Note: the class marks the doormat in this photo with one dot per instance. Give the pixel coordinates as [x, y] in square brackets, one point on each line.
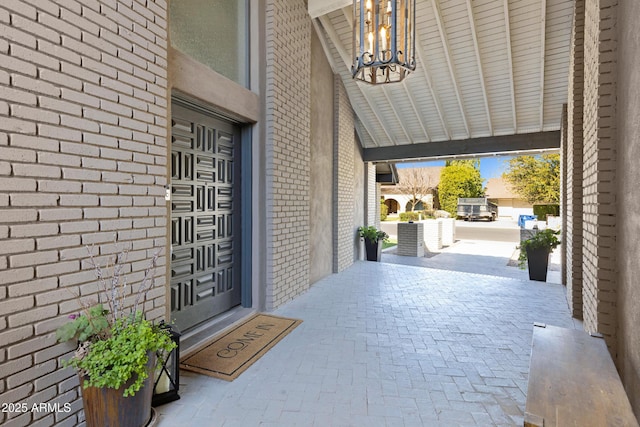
[230, 354]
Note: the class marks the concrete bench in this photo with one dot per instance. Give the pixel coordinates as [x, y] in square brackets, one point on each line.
[573, 381]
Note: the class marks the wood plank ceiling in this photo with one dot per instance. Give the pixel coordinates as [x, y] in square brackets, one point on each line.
[485, 68]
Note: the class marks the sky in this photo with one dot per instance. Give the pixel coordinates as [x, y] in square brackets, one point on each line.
[490, 167]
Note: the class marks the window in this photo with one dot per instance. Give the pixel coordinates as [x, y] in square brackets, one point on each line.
[213, 32]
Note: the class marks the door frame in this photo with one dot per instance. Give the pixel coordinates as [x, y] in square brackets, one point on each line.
[245, 190]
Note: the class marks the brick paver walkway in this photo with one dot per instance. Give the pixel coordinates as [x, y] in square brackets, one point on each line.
[387, 345]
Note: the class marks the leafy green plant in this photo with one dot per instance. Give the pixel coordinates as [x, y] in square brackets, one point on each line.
[415, 215]
[542, 211]
[535, 178]
[384, 211]
[115, 340]
[544, 239]
[372, 234]
[459, 178]
[84, 326]
[409, 216]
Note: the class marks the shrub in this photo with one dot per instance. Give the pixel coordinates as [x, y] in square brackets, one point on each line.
[416, 215]
[409, 216]
[543, 210]
[427, 214]
[384, 211]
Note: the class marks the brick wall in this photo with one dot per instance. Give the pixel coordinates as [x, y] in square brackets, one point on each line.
[411, 239]
[378, 195]
[563, 194]
[432, 235]
[573, 161]
[373, 201]
[83, 107]
[599, 159]
[344, 183]
[288, 43]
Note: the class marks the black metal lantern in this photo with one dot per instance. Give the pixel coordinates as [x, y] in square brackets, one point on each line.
[383, 40]
[167, 380]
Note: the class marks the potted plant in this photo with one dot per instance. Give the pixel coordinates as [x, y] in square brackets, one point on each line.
[535, 251]
[117, 347]
[373, 239]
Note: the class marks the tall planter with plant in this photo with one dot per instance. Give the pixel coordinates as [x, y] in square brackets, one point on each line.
[117, 346]
[373, 239]
[535, 252]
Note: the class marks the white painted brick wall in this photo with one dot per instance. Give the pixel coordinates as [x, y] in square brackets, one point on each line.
[448, 228]
[344, 184]
[83, 160]
[373, 201]
[288, 120]
[573, 230]
[432, 234]
[599, 201]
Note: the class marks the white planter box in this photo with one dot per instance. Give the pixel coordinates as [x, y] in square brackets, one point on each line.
[432, 234]
[448, 231]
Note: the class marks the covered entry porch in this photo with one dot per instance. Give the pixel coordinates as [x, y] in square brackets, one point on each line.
[388, 344]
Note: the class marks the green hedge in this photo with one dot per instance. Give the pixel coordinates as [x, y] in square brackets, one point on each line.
[543, 210]
[384, 211]
[415, 215]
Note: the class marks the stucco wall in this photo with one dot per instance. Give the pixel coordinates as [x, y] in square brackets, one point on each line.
[513, 208]
[628, 110]
[321, 166]
[83, 154]
[404, 201]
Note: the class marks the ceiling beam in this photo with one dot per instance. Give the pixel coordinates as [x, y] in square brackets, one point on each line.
[415, 111]
[335, 69]
[335, 40]
[447, 55]
[507, 27]
[522, 143]
[472, 24]
[427, 78]
[543, 36]
[318, 8]
[403, 125]
[362, 131]
[325, 46]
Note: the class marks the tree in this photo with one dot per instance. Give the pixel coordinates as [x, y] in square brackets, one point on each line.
[472, 162]
[535, 178]
[459, 178]
[416, 182]
[384, 210]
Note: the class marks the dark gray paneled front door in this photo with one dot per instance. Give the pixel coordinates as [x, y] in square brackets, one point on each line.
[205, 233]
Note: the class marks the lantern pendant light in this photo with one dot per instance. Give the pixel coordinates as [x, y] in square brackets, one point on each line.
[383, 40]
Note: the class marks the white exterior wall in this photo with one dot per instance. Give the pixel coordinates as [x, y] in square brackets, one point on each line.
[403, 199]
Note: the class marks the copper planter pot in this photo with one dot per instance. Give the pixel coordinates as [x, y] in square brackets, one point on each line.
[107, 407]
